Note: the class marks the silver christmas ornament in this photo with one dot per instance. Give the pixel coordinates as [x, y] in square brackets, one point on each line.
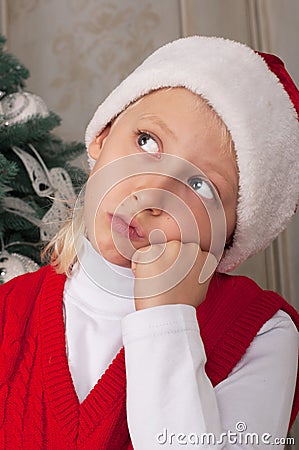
[20, 106]
[13, 264]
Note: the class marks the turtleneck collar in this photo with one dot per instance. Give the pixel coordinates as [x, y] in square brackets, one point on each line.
[100, 285]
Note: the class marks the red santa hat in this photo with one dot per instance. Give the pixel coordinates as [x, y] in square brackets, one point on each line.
[259, 103]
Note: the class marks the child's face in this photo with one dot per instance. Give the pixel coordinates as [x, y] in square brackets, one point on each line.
[175, 122]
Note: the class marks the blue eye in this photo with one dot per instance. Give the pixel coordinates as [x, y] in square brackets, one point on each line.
[202, 187]
[147, 142]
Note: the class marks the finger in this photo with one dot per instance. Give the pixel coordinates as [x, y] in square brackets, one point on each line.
[141, 255]
[148, 254]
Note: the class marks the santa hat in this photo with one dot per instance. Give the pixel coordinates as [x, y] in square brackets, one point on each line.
[258, 102]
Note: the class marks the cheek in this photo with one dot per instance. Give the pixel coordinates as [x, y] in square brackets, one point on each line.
[90, 214]
[231, 218]
[215, 226]
[188, 224]
[204, 227]
[94, 201]
[163, 228]
[104, 192]
[211, 223]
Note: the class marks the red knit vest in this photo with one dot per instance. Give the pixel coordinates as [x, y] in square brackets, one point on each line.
[39, 408]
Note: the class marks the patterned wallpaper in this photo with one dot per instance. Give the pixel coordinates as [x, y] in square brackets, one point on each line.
[78, 51]
[228, 18]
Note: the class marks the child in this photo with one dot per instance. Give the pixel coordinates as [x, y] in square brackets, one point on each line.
[195, 154]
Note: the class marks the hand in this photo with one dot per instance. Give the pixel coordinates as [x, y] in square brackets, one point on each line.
[171, 276]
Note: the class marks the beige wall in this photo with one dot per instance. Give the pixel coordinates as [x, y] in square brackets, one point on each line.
[78, 51]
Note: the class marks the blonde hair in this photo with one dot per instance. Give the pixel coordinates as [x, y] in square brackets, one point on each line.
[61, 251]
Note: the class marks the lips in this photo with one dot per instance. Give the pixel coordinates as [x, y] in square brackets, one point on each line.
[126, 227]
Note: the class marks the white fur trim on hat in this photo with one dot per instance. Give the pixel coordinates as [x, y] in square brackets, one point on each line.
[257, 111]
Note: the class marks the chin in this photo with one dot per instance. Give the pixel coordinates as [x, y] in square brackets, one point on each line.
[110, 253]
[119, 260]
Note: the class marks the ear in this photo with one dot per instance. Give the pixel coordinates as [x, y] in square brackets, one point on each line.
[96, 145]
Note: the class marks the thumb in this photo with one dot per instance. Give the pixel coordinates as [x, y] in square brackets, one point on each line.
[136, 257]
[133, 267]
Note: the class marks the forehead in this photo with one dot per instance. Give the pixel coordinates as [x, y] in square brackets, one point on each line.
[182, 110]
[162, 101]
[182, 120]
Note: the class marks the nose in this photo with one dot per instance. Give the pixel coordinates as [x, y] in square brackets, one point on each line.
[151, 192]
[149, 200]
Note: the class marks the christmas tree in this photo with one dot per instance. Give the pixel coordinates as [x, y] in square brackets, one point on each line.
[38, 184]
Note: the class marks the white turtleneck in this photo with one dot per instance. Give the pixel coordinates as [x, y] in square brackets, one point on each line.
[168, 390]
[93, 316]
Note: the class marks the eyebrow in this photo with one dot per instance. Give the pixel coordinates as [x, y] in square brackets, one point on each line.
[158, 121]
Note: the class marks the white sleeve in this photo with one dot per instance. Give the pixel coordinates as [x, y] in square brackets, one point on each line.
[171, 402]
